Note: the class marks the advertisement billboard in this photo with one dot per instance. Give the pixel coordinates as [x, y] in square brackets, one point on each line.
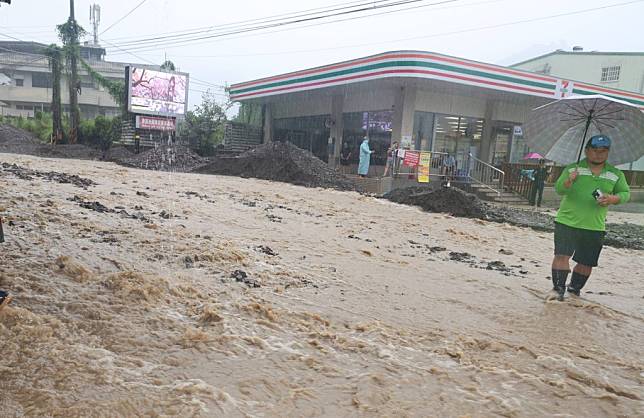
[153, 92]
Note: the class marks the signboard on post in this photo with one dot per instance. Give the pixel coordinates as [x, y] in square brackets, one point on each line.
[423, 169]
[155, 123]
[411, 158]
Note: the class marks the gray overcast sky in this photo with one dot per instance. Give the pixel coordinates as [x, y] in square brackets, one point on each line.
[247, 56]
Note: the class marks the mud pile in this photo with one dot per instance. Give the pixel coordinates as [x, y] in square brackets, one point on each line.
[28, 174]
[459, 203]
[11, 137]
[18, 141]
[117, 153]
[165, 158]
[446, 200]
[280, 161]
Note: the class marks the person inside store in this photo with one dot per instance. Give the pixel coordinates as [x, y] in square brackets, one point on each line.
[392, 153]
[345, 155]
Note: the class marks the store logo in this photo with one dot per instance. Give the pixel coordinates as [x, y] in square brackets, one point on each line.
[564, 88]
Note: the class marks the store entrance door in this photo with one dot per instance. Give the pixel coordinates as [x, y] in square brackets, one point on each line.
[502, 135]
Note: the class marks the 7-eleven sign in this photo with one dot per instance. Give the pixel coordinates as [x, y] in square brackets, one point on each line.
[564, 88]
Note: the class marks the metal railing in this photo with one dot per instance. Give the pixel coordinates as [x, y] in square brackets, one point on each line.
[485, 174]
[462, 170]
[518, 178]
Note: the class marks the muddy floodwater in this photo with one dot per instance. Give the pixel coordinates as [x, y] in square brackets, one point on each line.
[167, 294]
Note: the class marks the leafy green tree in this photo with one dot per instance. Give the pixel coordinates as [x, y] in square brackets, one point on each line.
[204, 126]
[168, 66]
[250, 114]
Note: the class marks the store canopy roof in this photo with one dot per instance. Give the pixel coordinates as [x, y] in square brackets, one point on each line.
[423, 65]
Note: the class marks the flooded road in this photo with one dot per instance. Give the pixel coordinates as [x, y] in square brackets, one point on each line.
[166, 294]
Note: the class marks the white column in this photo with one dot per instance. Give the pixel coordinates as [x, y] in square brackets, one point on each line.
[268, 123]
[337, 105]
[404, 108]
[487, 142]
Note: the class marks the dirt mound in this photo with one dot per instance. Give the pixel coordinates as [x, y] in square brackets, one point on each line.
[280, 161]
[14, 140]
[446, 200]
[18, 141]
[459, 203]
[165, 158]
[117, 153]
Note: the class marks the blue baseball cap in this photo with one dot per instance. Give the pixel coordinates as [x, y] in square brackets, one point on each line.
[598, 141]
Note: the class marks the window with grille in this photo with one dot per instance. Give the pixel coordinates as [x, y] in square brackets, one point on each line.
[610, 73]
[42, 80]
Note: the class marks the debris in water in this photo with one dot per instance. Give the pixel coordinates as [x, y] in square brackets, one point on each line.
[266, 250]
[242, 277]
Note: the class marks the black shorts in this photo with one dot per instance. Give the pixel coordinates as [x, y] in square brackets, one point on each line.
[583, 245]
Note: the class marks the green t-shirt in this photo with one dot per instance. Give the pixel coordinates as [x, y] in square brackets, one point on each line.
[579, 209]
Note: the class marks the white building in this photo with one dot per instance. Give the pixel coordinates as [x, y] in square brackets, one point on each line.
[612, 70]
[26, 81]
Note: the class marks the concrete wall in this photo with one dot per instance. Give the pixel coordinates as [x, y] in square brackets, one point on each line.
[315, 104]
[427, 101]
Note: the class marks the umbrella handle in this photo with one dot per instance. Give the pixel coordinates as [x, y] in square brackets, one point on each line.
[583, 140]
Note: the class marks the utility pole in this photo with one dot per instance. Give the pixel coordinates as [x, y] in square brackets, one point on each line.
[74, 82]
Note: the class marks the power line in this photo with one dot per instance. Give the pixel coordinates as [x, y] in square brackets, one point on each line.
[252, 22]
[146, 44]
[322, 49]
[193, 79]
[435, 35]
[126, 15]
[283, 15]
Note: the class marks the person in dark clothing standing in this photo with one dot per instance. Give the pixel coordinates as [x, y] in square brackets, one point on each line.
[588, 188]
[538, 183]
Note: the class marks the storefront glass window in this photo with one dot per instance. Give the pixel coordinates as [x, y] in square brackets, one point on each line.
[308, 133]
[376, 125]
[423, 131]
[458, 136]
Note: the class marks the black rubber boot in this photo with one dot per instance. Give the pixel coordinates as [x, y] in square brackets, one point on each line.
[559, 278]
[577, 282]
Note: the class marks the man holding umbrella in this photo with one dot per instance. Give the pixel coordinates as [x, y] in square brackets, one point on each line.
[609, 132]
[588, 188]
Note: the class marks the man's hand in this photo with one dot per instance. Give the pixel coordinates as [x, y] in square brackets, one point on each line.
[609, 199]
[571, 179]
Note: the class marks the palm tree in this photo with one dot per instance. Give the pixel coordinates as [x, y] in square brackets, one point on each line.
[55, 57]
[69, 32]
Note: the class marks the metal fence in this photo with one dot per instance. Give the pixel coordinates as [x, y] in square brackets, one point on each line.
[464, 170]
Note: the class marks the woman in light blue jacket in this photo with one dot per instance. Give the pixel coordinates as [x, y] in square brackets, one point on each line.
[365, 158]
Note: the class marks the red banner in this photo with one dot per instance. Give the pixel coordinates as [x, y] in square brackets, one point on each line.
[155, 124]
[411, 158]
